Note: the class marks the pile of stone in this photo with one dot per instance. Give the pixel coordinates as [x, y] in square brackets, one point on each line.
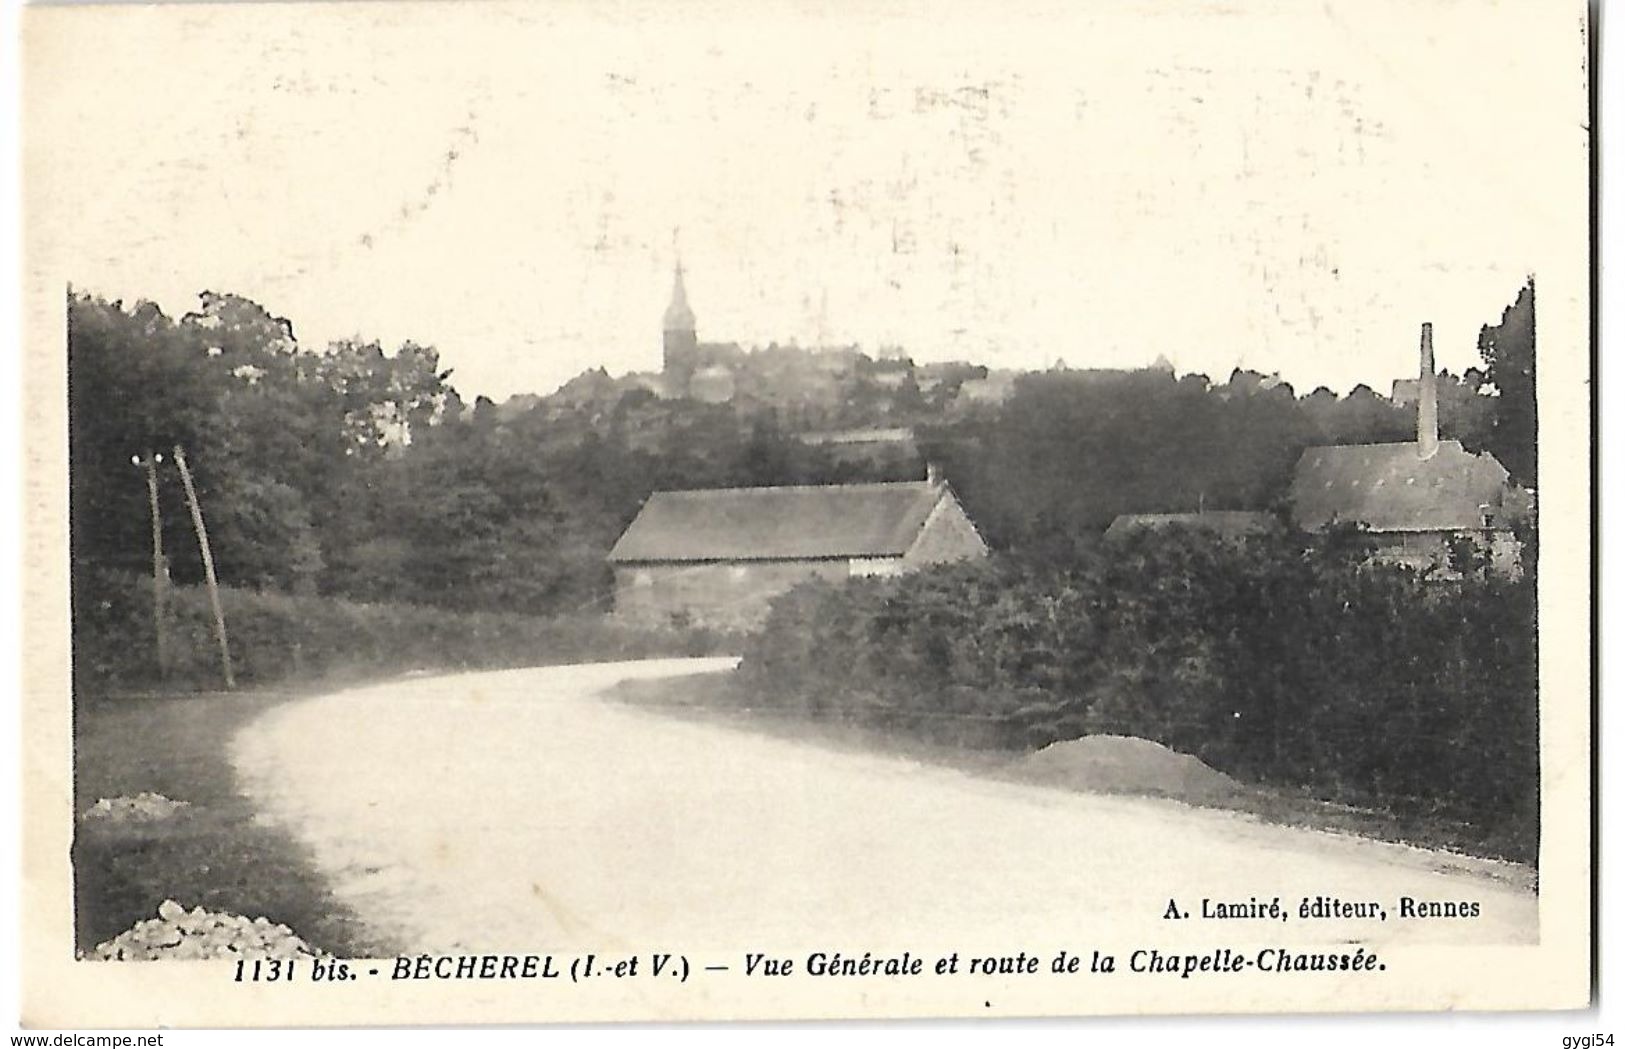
[145, 807]
[1128, 765]
[181, 934]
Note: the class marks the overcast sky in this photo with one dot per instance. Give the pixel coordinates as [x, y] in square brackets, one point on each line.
[1287, 187]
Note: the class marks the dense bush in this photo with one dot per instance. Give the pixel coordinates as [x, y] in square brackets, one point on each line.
[277, 637]
[1286, 659]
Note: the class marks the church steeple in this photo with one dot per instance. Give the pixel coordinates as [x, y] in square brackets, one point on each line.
[679, 317]
[680, 347]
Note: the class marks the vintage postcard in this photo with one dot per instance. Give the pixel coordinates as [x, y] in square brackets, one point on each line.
[646, 511]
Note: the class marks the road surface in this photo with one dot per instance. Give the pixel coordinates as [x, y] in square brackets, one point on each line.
[518, 811]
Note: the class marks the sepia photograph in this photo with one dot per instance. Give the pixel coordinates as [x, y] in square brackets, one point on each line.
[635, 512]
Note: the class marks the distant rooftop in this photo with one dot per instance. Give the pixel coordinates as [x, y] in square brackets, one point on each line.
[873, 435]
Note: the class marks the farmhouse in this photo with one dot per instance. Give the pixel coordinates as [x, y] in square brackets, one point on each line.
[718, 557]
[1417, 497]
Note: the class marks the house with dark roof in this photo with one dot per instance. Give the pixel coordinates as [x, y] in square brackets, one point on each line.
[1418, 498]
[718, 557]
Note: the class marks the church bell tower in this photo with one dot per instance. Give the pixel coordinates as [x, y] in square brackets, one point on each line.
[679, 343]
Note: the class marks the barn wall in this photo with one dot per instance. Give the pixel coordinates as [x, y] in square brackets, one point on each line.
[948, 535]
[726, 596]
[1416, 550]
[1424, 550]
[1506, 553]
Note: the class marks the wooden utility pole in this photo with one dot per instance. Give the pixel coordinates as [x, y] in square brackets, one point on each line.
[160, 568]
[208, 566]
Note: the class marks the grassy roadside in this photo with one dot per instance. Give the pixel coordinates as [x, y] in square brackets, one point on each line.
[718, 699]
[213, 853]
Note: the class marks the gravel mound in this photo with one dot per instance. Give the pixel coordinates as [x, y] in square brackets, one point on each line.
[181, 934]
[1127, 765]
[145, 807]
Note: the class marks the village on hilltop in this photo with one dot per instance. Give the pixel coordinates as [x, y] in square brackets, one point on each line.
[719, 556]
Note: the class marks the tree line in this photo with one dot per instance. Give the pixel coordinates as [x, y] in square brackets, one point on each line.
[1072, 449]
[353, 471]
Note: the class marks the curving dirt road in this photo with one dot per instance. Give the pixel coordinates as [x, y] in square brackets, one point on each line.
[516, 811]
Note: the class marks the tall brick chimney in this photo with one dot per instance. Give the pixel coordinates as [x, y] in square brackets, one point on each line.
[1427, 401]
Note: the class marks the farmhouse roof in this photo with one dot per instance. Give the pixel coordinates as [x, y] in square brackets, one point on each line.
[1228, 524]
[1391, 488]
[756, 524]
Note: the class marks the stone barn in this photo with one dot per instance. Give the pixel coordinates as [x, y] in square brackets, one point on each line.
[717, 557]
[1417, 498]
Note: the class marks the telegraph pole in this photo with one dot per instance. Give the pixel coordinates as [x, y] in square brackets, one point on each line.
[208, 566]
[160, 568]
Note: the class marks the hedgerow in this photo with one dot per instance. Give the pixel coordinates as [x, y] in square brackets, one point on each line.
[1284, 659]
[277, 637]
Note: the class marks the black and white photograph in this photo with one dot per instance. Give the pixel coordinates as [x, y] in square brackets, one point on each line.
[633, 512]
